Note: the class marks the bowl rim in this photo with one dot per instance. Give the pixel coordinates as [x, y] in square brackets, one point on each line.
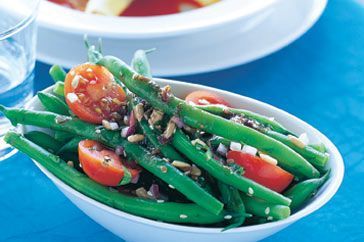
[328, 190]
[52, 16]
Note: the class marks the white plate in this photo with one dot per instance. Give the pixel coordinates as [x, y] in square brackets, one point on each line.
[289, 20]
[138, 229]
[265, 28]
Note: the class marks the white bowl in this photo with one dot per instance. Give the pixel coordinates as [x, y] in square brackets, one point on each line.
[204, 18]
[216, 37]
[186, 37]
[137, 229]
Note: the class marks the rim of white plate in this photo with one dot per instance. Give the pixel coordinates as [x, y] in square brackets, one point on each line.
[307, 24]
[67, 20]
[323, 196]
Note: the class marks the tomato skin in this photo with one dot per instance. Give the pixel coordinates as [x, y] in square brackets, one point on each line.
[205, 98]
[262, 172]
[157, 7]
[97, 93]
[92, 158]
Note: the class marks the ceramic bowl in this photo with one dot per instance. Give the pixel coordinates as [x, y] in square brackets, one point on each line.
[182, 39]
[137, 229]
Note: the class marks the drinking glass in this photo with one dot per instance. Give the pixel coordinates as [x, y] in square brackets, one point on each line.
[17, 58]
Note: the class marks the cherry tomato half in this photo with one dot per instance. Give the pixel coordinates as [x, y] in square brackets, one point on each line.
[205, 98]
[102, 165]
[92, 93]
[262, 172]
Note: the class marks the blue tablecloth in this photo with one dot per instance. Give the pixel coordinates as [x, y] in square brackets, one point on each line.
[319, 78]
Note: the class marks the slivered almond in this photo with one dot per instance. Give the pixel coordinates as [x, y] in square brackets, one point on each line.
[141, 192]
[181, 165]
[135, 138]
[171, 127]
[268, 159]
[139, 111]
[195, 171]
[296, 141]
[155, 117]
[110, 125]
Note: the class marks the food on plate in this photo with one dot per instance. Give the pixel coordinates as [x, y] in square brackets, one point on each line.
[133, 7]
[124, 141]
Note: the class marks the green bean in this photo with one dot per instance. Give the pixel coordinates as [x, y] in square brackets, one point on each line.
[71, 146]
[72, 156]
[160, 168]
[44, 140]
[215, 141]
[254, 220]
[167, 211]
[58, 89]
[53, 103]
[224, 173]
[141, 64]
[267, 122]
[62, 136]
[143, 88]
[197, 118]
[234, 204]
[303, 191]
[57, 73]
[93, 53]
[167, 150]
[263, 209]
[287, 158]
[316, 158]
[320, 147]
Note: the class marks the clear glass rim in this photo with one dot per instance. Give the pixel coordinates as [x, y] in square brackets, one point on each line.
[23, 23]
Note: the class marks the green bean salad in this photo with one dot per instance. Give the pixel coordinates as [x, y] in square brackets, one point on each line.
[121, 139]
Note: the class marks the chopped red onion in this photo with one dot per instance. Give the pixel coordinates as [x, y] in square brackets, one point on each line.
[132, 120]
[131, 131]
[221, 149]
[163, 140]
[154, 190]
[125, 131]
[235, 146]
[132, 123]
[119, 150]
[177, 121]
[215, 157]
[126, 120]
[135, 179]
[132, 164]
[249, 150]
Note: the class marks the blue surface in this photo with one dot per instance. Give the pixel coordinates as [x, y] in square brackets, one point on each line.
[319, 78]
